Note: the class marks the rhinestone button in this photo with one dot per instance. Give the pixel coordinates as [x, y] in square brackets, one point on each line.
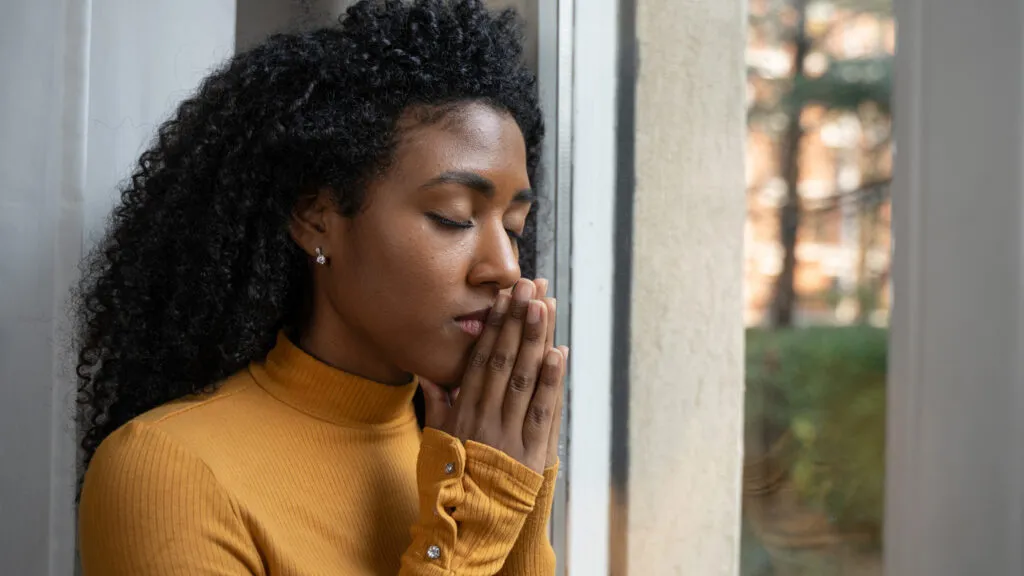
[449, 468]
[434, 552]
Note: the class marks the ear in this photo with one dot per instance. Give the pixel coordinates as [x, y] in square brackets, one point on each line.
[311, 219]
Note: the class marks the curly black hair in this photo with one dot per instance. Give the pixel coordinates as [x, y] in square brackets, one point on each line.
[197, 271]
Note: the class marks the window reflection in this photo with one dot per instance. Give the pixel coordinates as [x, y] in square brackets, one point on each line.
[817, 285]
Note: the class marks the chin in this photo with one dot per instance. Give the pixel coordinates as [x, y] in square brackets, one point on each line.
[447, 374]
[449, 380]
[444, 360]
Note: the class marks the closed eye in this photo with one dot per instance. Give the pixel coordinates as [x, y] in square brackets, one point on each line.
[448, 222]
[516, 237]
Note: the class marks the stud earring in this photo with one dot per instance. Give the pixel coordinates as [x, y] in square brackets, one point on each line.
[320, 258]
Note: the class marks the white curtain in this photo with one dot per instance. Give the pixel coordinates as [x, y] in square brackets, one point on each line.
[85, 83]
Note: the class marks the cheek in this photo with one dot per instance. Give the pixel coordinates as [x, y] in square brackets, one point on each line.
[402, 289]
[413, 272]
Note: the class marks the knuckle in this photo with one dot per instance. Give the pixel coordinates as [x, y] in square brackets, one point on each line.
[535, 334]
[539, 414]
[520, 382]
[478, 359]
[499, 361]
[518, 311]
[549, 379]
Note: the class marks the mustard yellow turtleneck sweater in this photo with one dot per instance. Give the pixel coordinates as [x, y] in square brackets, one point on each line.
[294, 468]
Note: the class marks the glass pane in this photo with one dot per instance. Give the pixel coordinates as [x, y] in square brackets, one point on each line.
[817, 291]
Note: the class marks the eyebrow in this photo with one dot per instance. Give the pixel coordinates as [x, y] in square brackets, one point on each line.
[478, 183]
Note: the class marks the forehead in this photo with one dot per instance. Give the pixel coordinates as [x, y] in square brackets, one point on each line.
[471, 137]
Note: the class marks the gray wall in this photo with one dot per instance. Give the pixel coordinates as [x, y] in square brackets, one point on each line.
[955, 468]
[39, 193]
[257, 19]
[85, 85]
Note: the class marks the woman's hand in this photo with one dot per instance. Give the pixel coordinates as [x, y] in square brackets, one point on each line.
[511, 392]
[556, 427]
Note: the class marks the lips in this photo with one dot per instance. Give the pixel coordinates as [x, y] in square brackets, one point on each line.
[473, 323]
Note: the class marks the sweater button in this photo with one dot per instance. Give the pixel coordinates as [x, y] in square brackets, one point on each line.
[449, 468]
[434, 552]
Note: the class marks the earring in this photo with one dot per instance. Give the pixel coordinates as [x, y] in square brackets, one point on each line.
[320, 258]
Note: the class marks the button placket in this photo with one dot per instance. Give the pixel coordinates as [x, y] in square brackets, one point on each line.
[445, 464]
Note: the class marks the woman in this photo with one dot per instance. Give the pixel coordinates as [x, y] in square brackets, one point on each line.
[331, 214]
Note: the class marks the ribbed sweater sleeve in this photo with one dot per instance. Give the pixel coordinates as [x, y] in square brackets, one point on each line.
[474, 501]
[532, 554]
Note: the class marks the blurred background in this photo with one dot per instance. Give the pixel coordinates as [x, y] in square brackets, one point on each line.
[763, 382]
[817, 284]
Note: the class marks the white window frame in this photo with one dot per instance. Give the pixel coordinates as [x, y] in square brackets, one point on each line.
[591, 110]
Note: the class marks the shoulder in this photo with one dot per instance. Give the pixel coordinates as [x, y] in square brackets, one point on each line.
[229, 396]
[140, 460]
[209, 425]
[151, 504]
[166, 443]
[142, 482]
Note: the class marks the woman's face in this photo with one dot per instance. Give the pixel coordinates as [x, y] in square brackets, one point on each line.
[411, 277]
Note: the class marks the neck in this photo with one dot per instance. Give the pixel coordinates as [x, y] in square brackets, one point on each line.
[328, 339]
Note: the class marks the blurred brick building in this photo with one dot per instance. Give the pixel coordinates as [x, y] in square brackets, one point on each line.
[845, 162]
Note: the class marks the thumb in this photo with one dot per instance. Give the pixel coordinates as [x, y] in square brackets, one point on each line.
[438, 403]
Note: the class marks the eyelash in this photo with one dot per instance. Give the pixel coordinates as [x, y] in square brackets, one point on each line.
[449, 222]
[517, 238]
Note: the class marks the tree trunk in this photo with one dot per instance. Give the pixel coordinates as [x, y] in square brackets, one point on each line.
[784, 296]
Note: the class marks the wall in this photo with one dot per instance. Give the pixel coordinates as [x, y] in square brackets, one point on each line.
[257, 19]
[145, 58]
[41, 118]
[955, 467]
[85, 86]
[686, 348]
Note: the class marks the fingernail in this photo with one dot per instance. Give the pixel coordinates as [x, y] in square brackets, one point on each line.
[552, 357]
[533, 314]
[523, 291]
[500, 306]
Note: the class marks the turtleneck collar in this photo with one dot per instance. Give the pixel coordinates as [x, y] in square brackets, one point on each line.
[311, 386]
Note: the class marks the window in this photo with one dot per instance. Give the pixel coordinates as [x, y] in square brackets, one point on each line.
[816, 362]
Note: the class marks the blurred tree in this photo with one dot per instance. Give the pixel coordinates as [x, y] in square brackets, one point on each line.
[844, 84]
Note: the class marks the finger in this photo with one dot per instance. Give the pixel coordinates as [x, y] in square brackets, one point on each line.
[476, 367]
[506, 349]
[551, 309]
[542, 294]
[554, 436]
[438, 404]
[542, 288]
[540, 415]
[523, 380]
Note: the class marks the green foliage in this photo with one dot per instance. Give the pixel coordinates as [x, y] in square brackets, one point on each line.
[883, 7]
[866, 294]
[846, 85]
[826, 387]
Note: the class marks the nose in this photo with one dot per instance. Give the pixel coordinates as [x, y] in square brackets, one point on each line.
[496, 261]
